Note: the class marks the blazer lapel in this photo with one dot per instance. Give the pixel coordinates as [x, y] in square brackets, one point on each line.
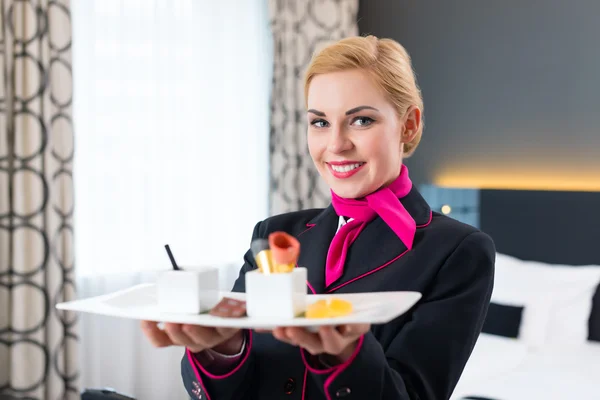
[378, 246]
[314, 245]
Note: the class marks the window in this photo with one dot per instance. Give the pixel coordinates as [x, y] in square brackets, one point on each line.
[171, 120]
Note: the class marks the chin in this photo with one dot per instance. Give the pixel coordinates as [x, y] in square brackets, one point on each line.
[348, 192]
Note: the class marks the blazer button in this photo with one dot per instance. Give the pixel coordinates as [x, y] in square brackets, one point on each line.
[343, 392]
[289, 386]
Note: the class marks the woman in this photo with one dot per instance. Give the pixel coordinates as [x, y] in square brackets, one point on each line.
[364, 113]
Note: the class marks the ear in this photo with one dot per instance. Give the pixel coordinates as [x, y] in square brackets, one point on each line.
[411, 124]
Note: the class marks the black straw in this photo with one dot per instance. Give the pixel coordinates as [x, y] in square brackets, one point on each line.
[173, 263]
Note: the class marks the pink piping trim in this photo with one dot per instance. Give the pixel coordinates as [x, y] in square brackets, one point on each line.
[304, 383]
[196, 365]
[192, 362]
[383, 266]
[315, 370]
[340, 368]
[428, 222]
[311, 288]
[367, 273]
[309, 227]
[233, 371]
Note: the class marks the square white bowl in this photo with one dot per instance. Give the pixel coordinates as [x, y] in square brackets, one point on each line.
[192, 291]
[278, 295]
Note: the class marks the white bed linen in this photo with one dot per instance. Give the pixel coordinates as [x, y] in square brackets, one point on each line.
[501, 371]
[493, 355]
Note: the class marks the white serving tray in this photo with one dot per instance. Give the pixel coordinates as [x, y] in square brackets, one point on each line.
[139, 302]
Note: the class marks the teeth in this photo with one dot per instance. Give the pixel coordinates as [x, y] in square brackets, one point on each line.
[345, 168]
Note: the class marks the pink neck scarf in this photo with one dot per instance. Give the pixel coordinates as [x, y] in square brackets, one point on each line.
[384, 203]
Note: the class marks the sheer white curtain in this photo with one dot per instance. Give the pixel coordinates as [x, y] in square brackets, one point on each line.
[171, 118]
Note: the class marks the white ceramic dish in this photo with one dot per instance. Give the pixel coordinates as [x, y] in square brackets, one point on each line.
[140, 302]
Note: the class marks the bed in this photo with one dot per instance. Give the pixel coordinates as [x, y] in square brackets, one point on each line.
[541, 338]
[545, 374]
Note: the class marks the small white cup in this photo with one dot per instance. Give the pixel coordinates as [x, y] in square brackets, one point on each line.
[277, 295]
[189, 291]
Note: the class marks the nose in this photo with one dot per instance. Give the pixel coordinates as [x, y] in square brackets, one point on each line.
[338, 141]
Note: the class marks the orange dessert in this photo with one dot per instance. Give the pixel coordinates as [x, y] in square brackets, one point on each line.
[285, 250]
[330, 308]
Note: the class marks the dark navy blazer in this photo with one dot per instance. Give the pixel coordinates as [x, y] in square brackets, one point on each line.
[419, 355]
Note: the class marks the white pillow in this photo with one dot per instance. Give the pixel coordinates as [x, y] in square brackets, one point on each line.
[557, 299]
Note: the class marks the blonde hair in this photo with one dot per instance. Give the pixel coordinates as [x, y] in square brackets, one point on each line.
[385, 60]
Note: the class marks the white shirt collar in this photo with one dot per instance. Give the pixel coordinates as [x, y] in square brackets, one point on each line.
[343, 222]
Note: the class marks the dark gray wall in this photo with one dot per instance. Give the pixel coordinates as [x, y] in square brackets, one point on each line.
[511, 88]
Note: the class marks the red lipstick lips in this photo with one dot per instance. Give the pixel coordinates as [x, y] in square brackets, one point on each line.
[344, 169]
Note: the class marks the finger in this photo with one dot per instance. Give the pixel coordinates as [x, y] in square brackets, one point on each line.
[177, 335]
[310, 341]
[157, 337]
[281, 335]
[353, 330]
[226, 333]
[333, 342]
[200, 336]
[345, 330]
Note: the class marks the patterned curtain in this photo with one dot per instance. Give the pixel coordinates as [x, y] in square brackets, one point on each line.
[299, 28]
[38, 358]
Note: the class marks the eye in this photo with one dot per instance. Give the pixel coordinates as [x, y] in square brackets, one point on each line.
[362, 121]
[319, 123]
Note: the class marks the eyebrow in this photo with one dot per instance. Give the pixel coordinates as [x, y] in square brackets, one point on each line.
[316, 112]
[349, 112]
[360, 108]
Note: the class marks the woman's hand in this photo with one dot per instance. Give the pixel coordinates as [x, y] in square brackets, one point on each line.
[196, 338]
[339, 342]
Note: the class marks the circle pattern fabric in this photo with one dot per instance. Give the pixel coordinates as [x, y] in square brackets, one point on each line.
[38, 343]
[299, 29]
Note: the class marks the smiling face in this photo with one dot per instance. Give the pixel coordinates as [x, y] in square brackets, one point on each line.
[355, 135]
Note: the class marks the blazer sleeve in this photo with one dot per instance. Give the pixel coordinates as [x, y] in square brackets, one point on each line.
[237, 383]
[425, 359]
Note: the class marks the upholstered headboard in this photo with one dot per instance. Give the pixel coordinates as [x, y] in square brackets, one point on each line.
[554, 227]
[548, 226]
